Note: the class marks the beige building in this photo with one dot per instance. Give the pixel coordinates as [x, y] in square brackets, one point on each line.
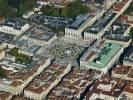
[41, 86]
[16, 81]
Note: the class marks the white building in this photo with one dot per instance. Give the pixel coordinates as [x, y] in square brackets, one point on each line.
[76, 28]
[28, 14]
[43, 2]
[13, 26]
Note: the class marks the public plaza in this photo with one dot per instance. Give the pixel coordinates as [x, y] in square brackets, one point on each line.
[63, 50]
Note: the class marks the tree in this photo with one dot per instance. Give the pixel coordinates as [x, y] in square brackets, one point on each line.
[14, 52]
[22, 5]
[131, 32]
[5, 9]
[19, 57]
[72, 10]
[2, 74]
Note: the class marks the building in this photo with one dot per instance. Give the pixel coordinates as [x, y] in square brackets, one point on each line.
[118, 33]
[108, 3]
[107, 88]
[80, 23]
[14, 26]
[17, 76]
[96, 30]
[28, 14]
[2, 54]
[127, 93]
[43, 2]
[30, 51]
[74, 84]
[6, 38]
[123, 72]
[5, 96]
[102, 56]
[56, 3]
[121, 5]
[41, 86]
[40, 35]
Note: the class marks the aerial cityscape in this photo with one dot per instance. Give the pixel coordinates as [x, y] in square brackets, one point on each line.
[66, 49]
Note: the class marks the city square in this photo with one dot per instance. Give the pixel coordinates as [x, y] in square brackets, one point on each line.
[62, 51]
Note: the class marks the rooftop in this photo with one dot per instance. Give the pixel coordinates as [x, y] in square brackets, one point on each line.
[129, 87]
[13, 73]
[41, 33]
[107, 52]
[6, 38]
[74, 84]
[107, 86]
[43, 81]
[79, 21]
[19, 98]
[5, 95]
[15, 23]
[121, 70]
[119, 5]
[101, 23]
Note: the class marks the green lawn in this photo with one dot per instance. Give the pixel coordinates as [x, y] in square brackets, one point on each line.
[129, 11]
[19, 57]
